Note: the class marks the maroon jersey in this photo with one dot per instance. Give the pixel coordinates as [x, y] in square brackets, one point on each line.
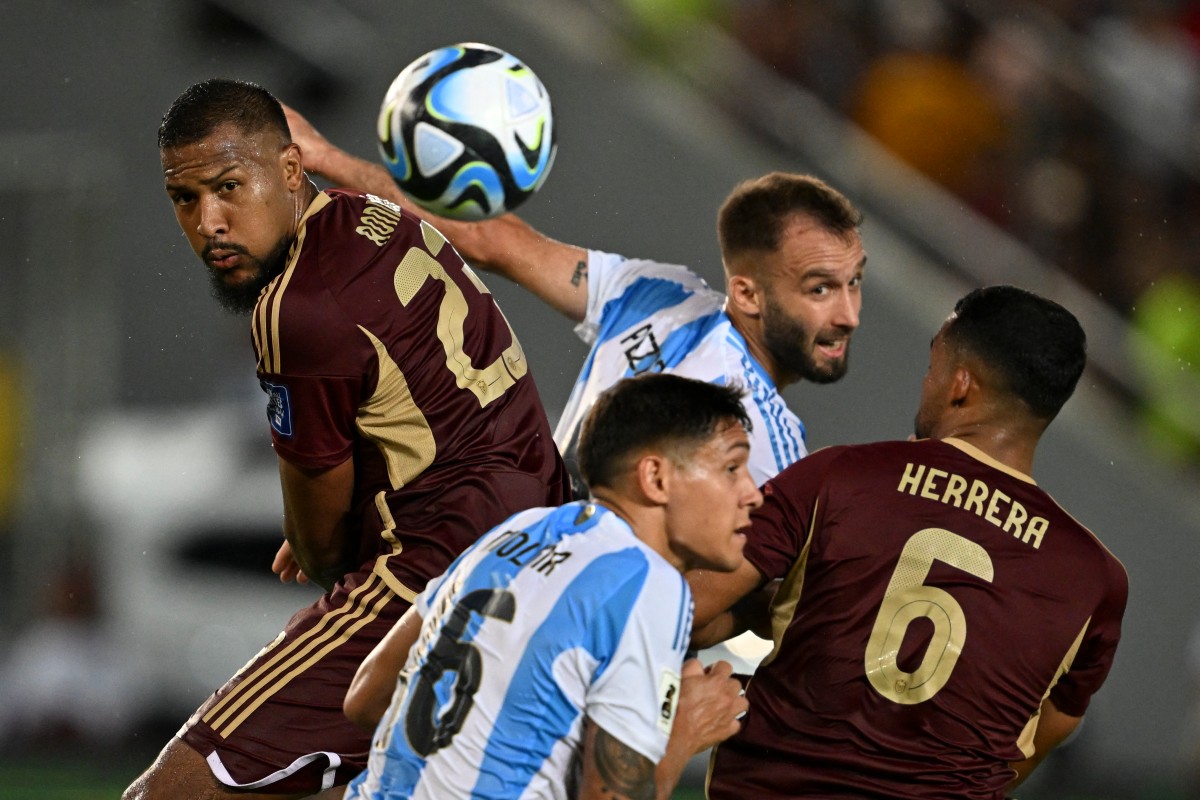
[379, 344]
[931, 599]
[376, 344]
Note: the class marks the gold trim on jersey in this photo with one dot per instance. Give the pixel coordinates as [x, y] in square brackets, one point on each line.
[391, 419]
[339, 625]
[1025, 740]
[787, 596]
[977, 454]
[265, 327]
[389, 535]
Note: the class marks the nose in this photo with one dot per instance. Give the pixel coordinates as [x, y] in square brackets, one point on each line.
[754, 497]
[846, 313]
[212, 220]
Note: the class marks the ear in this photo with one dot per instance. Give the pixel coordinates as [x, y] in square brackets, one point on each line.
[962, 386]
[654, 477]
[746, 294]
[293, 166]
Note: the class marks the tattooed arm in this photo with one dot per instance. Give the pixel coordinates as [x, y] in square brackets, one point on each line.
[506, 245]
[614, 771]
[710, 702]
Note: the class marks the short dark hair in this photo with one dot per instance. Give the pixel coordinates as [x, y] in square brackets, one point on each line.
[652, 410]
[1034, 345]
[753, 216]
[207, 105]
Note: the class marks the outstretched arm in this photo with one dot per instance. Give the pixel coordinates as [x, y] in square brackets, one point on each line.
[506, 245]
[710, 702]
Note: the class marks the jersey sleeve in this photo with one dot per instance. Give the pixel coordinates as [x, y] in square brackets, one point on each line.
[314, 363]
[630, 287]
[780, 527]
[312, 418]
[1087, 672]
[636, 696]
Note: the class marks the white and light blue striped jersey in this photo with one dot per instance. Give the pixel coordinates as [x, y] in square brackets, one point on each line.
[644, 316]
[555, 615]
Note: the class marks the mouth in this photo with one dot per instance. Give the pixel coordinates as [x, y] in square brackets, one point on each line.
[223, 259]
[832, 349]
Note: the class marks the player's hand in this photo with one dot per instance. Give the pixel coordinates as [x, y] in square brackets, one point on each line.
[313, 146]
[710, 704]
[285, 565]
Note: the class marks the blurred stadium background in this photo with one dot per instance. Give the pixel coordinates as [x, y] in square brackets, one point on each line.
[1052, 144]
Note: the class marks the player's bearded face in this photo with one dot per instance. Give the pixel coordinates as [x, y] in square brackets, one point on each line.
[238, 292]
[795, 345]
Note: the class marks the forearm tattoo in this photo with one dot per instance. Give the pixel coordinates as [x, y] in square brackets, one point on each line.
[625, 772]
[580, 273]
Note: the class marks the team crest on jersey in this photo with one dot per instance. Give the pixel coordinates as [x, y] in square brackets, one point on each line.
[668, 700]
[279, 408]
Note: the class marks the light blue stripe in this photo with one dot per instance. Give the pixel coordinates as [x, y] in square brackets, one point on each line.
[641, 299]
[683, 622]
[404, 766]
[683, 341]
[591, 614]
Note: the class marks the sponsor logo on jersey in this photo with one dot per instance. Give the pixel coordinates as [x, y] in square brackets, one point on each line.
[279, 408]
[642, 351]
[668, 700]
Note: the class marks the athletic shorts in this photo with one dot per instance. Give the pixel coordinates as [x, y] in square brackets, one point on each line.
[277, 726]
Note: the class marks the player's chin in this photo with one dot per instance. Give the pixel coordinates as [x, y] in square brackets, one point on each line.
[830, 370]
[737, 545]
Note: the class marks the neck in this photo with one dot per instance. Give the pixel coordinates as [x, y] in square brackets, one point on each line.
[646, 521]
[751, 330]
[1012, 448]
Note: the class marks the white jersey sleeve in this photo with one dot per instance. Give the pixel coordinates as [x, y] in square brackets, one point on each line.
[635, 695]
[643, 316]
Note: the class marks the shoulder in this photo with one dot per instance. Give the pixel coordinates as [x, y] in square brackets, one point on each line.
[613, 272]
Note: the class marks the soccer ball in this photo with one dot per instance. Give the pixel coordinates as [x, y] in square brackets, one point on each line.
[467, 131]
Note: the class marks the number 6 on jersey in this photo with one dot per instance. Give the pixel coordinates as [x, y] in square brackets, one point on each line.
[908, 598]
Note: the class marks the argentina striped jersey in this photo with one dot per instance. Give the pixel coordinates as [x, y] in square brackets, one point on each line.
[643, 316]
[555, 615]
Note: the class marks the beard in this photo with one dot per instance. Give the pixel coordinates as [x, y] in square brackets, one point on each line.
[792, 345]
[921, 429]
[240, 298]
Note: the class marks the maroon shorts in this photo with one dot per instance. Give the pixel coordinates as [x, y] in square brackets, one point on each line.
[277, 725]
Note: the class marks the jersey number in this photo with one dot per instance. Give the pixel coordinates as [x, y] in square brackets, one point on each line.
[907, 599]
[486, 383]
[429, 724]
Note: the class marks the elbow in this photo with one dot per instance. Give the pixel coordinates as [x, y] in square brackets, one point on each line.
[359, 711]
[712, 633]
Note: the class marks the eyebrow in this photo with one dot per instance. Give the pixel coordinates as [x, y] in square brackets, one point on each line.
[825, 273]
[205, 181]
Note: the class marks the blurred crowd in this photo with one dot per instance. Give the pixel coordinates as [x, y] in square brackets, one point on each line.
[1073, 125]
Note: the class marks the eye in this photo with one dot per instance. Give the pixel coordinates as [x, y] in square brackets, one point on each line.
[229, 186]
[856, 280]
[182, 198]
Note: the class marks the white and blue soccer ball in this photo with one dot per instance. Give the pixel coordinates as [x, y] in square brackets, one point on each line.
[467, 131]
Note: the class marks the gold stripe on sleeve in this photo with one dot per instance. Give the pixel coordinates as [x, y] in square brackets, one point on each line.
[783, 607]
[266, 312]
[1025, 740]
